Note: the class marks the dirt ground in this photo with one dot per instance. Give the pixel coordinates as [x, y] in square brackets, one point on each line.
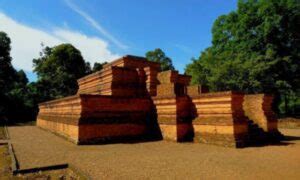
[160, 160]
[6, 170]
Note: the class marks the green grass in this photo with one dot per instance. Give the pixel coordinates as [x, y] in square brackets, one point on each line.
[2, 133]
[5, 162]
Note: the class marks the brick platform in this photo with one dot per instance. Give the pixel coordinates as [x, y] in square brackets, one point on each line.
[174, 118]
[220, 119]
[131, 98]
[92, 118]
[172, 106]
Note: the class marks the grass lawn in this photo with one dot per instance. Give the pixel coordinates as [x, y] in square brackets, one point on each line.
[2, 133]
[5, 162]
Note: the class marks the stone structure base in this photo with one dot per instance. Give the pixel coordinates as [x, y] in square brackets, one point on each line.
[87, 118]
[130, 99]
[220, 119]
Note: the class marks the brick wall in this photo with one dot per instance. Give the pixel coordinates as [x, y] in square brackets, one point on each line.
[220, 119]
[85, 118]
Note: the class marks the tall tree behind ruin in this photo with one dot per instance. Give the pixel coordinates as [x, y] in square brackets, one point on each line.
[7, 72]
[98, 66]
[58, 69]
[254, 49]
[157, 55]
[14, 95]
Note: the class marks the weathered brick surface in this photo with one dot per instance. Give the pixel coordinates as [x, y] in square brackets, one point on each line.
[127, 77]
[130, 97]
[95, 116]
[130, 61]
[67, 130]
[89, 133]
[258, 108]
[170, 83]
[196, 90]
[167, 77]
[220, 115]
[151, 80]
[174, 117]
[114, 81]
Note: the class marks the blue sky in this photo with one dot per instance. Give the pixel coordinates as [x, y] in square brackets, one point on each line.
[104, 30]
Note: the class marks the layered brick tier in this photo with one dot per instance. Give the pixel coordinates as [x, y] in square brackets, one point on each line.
[133, 62]
[129, 76]
[61, 116]
[114, 81]
[172, 106]
[131, 98]
[91, 118]
[151, 80]
[174, 118]
[258, 108]
[196, 90]
[145, 67]
[170, 83]
[220, 119]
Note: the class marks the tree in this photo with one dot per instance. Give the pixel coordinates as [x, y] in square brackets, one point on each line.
[98, 66]
[159, 56]
[13, 87]
[19, 103]
[254, 49]
[7, 72]
[58, 69]
[88, 69]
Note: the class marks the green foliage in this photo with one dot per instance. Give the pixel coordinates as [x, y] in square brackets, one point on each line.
[290, 103]
[98, 66]
[88, 68]
[7, 72]
[58, 69]
[14, 99]
[255, 49]
[159, 56]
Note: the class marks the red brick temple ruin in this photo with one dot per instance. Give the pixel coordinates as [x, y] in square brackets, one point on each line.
[130, 98]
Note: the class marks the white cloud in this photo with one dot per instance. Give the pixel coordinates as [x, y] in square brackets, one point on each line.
[95, 24]
[26, 43]
[92, 49]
